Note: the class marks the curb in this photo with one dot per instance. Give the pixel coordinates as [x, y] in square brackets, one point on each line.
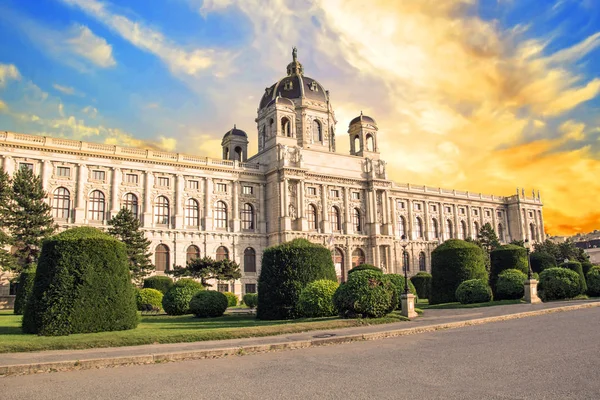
[24, 369]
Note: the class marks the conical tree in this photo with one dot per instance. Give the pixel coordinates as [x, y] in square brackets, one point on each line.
[487, 238]
[126, 227]
[7, 261]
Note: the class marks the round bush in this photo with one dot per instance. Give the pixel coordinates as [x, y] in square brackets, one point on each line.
[452, 263]
[473, 291]
[208, 303]
[286, 270]
[422, 283]
[510, 285]
[508, 256]
[82, 285]
[366, 294]
[177, 300]
[586, 266]
[316, 299]
[148, 296]
[160, 283]
[251, 300]
[558, 283]
[398, 282]
[24, 289]
[232, 299]
[576, 266]
[593, 282]
[541, 260]
[363, 267]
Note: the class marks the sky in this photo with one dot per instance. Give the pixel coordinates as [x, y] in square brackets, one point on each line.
[477, 95]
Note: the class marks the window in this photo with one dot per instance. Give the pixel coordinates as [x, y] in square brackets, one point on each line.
[448, 209]
[422, 266]
[317, 131]
[247, 190]
[417, 206]
[96, 206]
[161, 210]
[435, 228]
[462, 211]
[98, 175]
[63, 171]
[370, 142]
[221, 187]
[463, 230]
[131, 178]
[358, 257]
[311, 215]
[61, 203]
[419, 227]
[194, 185]
[533, 232]
[312, 190]
[222, 253]
[530, 214]
[162, 181]
[499, 214]
[192, 213]
[355, 195]
[161, 257]
[130, 202]
[286, 129]
[475, 228]
[400, 204]
[449, 229]
[335, 220]
[487, 213]
[250, 287]
[501, 232]
[247, 216]
[192, 253]
[338, 263]
[433, 208]
[334, 193]
[401, 226]
[221, 215]
[356, 220]
[475, 212]
[249, 260]
[222, 287]
[28, 166]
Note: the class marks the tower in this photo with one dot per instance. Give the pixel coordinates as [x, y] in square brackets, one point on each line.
[235, 145]
[363, 137]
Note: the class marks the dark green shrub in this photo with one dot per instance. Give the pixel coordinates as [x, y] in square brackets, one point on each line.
[24, 289]
[208, 303]
[158, 282]
[422, 283]
[398, 282]
[177, 300]
[558, 283]
[473, 291]
[286, 270]
[148, 296]
[508, 256]
[363, 267]
[232, 299]
[541, 260]
[366, 294]
[586, 266]
[251, 299]
[316, 299]
[82, 285]
[510, 285]
[452, 263]
[576, 266]
[593, 282]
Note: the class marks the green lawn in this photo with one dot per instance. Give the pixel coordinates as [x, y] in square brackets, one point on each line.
[424, 304]
[171, 329]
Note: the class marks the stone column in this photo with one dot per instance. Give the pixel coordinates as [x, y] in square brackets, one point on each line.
[456, 228]
[286, 223]
[427, 223]
[303, 224]
[236, 206]
[348, 228]
[386, 213]
[115, 204]
[148, 220]
[470, 223]
[262, 209]
[46, 173]
[82, 173]
[208, 206]
[410, 226]
[325, 226]
[179, 206]
[9, 165]
[494, 220]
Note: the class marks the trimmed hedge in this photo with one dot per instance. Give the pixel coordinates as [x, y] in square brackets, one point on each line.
[508, 256]
[398, 282]
[148, 296]
[232, 299]
[586, 266]
[473, 291]
[422, 283]
[160, 283]
[593, 282]
[367, 294]
[177, 300]
[363, 267]
[576, 266]
[452, 263]
[286, 270]
[510, 285]
[558, 283]
[208, 304]
[24, 289]
[541, 260]
[251, 299]
[316, 299]
[82, 285]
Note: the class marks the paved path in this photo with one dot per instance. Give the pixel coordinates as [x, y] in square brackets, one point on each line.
[552, 356]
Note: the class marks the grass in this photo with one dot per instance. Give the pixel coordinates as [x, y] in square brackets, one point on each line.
[424, 304]
[171, 329]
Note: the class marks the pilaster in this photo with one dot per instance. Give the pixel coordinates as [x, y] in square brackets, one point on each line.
[147, 219]
[179, 206]
[114, 194]
[80, 200]
[208, 207]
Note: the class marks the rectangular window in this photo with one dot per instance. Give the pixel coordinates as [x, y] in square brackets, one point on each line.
[417, 206]
[131, 178]
[462, 211]
[355, 195]
[530, 214]
[487, 213]
[63, 171]
[311, 190]
[400, 204]
[28, 166]
[448, 209]
[98, 175]
[221, 187]
[434, 208]
[162, 181]
[194, 185]
[334, 193]
[250, 287]
[475, 212]
[223, 287]
[247, 189]
[499, 214]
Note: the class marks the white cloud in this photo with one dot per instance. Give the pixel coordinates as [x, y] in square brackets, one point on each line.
[64, 89]
[7, 72]
[85, 43]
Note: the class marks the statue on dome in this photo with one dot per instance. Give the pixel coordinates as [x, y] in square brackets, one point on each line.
[294, 53]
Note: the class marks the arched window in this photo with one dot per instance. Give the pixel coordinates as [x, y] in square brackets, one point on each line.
[356, 144]
[192, 253]
[405, 261]
[475, 228]
[286, 129]
[422, 266]
[238, 153]
[222, 253]
[334, 219]
[161, 258]
[161, 211]
[370, 143]
[358, 257]
[61, 203]
[500, 232]
[271, 127]
[401, 226]
[311, 215]
[130, 202]
[356, 220]
[449, 229]
[249, 260]
[192, 213]
[419, 227]
[221, 215]
[96, 207]
[435, 228]
[317, 131]
[338, 262]
[247, 216]
[463, 230]
[533, 232]
[225, 153]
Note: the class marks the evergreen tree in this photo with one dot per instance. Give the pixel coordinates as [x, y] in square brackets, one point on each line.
[7, 261]
[562, 251]
[206, 268]
[487, 238]
[126, 227]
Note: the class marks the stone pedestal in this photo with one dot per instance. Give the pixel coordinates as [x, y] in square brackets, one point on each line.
[531, 296]
[407, 302]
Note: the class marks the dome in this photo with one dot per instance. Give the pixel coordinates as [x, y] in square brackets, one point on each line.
[235, 132]
[363, 118]
[281, 100]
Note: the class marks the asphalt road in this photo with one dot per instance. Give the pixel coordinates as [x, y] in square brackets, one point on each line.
[555, 356]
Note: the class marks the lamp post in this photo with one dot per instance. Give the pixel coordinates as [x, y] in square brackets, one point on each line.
[530, 287]
[407, 299]
[404, 243]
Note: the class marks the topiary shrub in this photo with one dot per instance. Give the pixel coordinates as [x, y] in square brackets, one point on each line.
[149, 296]
[576, 266]
[367, 293]
[232, 299]
[177, 300]
[510, 285]
[586, 266]
[160, 283]
[558, 283]
[251, 300]
[316, 299]
[541, 260]
[24, 289]
[593, 282]
[363, 267]
[422, 283]
[82, 285]
[286, 270]
[452, 263]
[508, 256]
[473, 291]
[208, 303]
[398, 282]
